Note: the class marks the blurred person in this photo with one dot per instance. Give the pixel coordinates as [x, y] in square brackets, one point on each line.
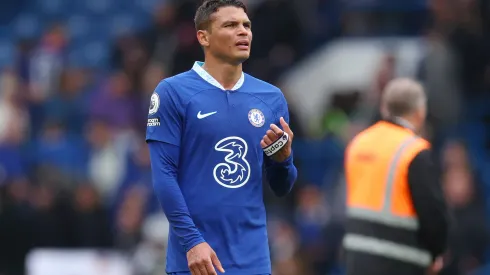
[148, 259]
[89, 220]
[116, 103]
[188, 49]
[228, 119]
[24, 48]
[56, 151]
[397, 217]
[14, 127]
[138, 175]
[284, 240]
[50, 231]
[13, 164]
[455, 156]
[385, 73]
[129, 219]
[47, 63]
[335, 192]
[153, 75]
[439, 71]
[106, 160]
[161, 38]
[312, 215]
[278, 38]
[469, 235]
[337, 118]
[14, 119]
[69, 104]
[291, 266]
[285, 249]
[17, 231]
[131, 57]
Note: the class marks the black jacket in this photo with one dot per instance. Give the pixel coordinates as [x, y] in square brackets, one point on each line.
[429, 203]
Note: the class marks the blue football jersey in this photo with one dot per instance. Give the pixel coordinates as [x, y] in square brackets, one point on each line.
[220, 170]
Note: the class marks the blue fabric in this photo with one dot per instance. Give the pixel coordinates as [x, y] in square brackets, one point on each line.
[164, 158]
[216, 135]
[12, 165]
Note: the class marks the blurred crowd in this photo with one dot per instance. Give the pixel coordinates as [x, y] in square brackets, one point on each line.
[75, 170]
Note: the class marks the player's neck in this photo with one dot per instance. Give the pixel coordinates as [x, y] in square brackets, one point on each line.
[226, 74]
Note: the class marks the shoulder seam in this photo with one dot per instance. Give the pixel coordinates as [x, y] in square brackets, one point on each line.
[190, 97]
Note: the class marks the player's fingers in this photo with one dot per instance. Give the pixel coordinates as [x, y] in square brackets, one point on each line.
[267, 140]
[195, 270]
[285, 126]
[203, 269]
[199, 267]
[271, 135]
[262, 143]
[210, 269]
[217, 263]
[276, 130]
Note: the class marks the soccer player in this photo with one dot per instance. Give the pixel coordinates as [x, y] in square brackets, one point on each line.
[211, 130]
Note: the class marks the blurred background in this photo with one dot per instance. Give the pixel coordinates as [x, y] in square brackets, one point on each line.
[75, 80]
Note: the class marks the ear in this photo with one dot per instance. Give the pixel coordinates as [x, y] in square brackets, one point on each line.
[203, 37]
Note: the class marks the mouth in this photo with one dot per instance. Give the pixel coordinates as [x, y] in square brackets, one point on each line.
[243, 45]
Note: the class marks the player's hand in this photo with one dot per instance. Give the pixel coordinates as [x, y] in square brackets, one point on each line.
[273, 134]
[436, 267]
[202, 259]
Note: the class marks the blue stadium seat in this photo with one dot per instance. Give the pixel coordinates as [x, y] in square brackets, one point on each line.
[5, 32]
[79, 26]
[99, 6]
[51, 6]
[27, 25]
[96, 53]
[147, 6]
[89, 54]
[7, 53]
[124, 23]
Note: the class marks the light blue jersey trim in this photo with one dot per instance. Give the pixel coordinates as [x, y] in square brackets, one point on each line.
[208, 78]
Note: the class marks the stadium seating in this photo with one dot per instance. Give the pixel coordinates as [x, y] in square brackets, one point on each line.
[91, 24]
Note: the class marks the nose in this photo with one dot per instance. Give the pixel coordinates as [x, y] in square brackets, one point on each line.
[242, 30]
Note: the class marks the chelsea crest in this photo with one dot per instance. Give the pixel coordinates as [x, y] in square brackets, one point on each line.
[154, 103]
[256, 117]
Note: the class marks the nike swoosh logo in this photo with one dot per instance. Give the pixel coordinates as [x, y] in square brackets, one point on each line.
[201, 116]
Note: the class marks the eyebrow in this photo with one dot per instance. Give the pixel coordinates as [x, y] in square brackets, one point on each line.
[237, 21]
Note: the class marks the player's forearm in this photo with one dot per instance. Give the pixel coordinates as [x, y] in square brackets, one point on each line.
[164, 172]
[281, 176]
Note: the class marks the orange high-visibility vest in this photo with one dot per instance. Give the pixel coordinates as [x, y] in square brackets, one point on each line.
[376, 167]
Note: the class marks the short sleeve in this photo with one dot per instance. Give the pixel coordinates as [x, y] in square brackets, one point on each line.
[165, 115]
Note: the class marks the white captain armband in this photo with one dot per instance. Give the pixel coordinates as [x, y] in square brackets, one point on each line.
[277, 145]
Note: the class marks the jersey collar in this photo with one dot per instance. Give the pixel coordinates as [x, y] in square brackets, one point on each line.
[209, 79]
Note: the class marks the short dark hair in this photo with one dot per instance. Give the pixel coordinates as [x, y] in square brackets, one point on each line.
[208, 7]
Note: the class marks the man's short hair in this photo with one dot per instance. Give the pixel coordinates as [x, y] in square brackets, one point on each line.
[209, 7]
[403, 96]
